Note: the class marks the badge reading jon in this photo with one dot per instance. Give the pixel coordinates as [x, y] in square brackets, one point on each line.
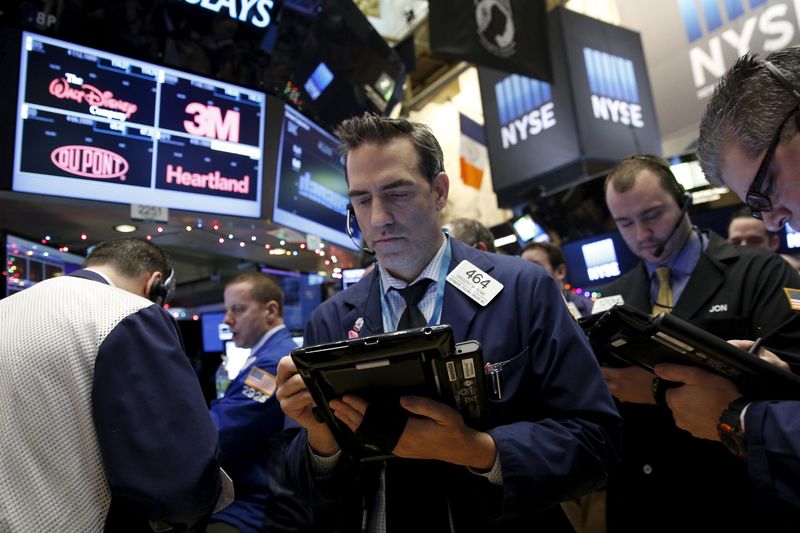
[474, 282]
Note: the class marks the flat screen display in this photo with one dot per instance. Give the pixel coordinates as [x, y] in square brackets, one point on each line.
[528, 230]
[100, 126]
[310, 187]
[214, 331]
[351, 276]
[595, 261]
[302, 293]
[28, 262]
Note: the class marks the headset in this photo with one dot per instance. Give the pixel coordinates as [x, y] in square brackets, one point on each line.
[350, 215]
[161, 290]
[789, 86]
[682, 197]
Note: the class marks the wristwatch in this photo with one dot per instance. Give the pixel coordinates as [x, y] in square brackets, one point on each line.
[729, 427]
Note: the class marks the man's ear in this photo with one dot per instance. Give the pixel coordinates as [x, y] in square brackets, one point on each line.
[441, 188]
[273, 310]
[149, 281]
[774, 242]
[560, 273]
[481, 246]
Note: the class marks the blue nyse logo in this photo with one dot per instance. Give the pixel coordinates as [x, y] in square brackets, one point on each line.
[612, 82]
[524, 106]
[721, 31]
[711, 13]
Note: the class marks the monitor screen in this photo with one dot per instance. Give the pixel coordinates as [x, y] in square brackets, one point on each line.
[235, 358]
[528, 230]
[214, 331]
[302, 293]
[310, 187]
[99, 126]
[595, 261]
[28, 262]
[351, 276]
[687, 171]
[792, 237]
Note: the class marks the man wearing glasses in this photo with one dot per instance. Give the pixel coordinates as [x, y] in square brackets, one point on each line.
[731, 292]
[749, 142]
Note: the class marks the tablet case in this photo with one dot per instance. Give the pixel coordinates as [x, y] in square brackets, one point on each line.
[623, 336]
[381, 368]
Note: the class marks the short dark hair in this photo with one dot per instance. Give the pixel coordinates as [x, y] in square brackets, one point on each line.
[623, 176]
[130, 257]
[471, 232]
[554, 253]
[263, 288]
[746, 212]
[373, 129]
[746, 109]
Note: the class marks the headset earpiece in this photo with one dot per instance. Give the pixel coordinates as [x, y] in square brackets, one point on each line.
[351, 215]
[161, 290]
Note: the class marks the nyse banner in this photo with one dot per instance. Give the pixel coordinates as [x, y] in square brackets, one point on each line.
[545, 137]
[611, 90]
[690, 44]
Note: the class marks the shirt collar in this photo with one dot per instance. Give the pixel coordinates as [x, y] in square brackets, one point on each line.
[431, 271]
[685, 261]
[265, 337]
[108, 280]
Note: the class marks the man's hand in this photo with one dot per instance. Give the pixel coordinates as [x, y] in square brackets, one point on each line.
[698, 404]
[631, 384]
[433, 431]
[296, 402]
[764, 354]
[437, 431]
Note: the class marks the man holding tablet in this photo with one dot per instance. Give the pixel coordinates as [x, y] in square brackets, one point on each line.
[554, 430]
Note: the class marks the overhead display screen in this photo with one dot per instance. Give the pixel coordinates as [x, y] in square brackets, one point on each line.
[310, 188]
[99, 126]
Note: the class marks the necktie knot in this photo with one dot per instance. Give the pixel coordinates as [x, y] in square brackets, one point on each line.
[412, 317]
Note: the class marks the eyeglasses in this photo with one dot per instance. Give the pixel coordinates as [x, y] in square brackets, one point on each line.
[757, 199]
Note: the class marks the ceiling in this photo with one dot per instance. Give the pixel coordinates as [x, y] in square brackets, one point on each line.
[202, 264]
[204, 258]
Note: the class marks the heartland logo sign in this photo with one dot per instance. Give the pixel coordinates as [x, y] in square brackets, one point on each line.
[612, 83]
[524, 107]
[90, 162]
[213, 181]
[737, 30]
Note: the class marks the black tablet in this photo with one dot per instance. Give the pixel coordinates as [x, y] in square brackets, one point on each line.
[381, 368]
[624, 336]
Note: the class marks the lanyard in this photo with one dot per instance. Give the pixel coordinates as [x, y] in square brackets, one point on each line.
[389, 321]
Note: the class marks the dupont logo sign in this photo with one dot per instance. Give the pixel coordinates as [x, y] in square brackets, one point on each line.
[612, 84]
[524, 107]
[719, 32]
[89, 162]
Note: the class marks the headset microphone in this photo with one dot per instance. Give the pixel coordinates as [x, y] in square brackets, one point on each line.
[687, 202]
[367, 250]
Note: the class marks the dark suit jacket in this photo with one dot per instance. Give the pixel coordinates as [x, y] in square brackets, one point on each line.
[556, 427]
[668, 478]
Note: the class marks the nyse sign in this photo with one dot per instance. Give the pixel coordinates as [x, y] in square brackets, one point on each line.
[612, 84]
[525, 108]
[766, 29]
